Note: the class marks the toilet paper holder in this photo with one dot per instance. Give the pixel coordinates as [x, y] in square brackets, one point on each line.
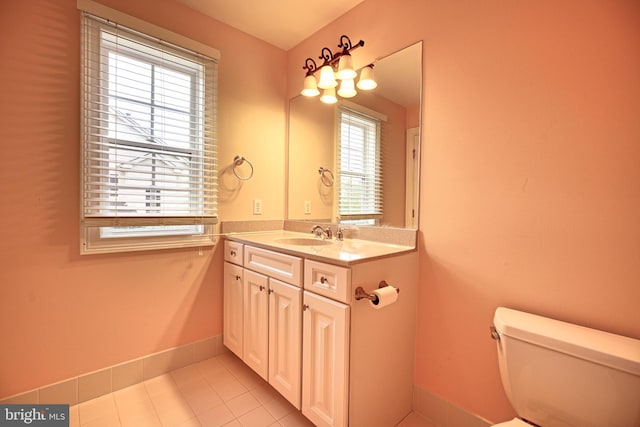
[362, 294]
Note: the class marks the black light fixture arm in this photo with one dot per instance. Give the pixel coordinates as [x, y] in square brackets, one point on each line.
[345, 44]
[310, 66]
[326, 55]
[331, 58]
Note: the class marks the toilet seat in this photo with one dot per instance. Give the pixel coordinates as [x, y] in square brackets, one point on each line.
[516, 422]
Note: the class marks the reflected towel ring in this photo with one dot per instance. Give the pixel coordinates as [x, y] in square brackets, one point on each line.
[326, 176]
[238, 161]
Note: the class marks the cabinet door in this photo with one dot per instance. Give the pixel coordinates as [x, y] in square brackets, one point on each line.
[325, 368]
[232, 308]
[256, 322]
[285, 339]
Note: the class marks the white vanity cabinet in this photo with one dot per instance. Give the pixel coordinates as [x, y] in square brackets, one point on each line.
[262, 314]
[341, 361]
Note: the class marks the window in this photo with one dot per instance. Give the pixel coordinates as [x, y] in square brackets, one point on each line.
[359, 168]
[148, 149]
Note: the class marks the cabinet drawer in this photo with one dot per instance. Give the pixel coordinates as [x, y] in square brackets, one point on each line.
[279, 266]
[233, 252]
[328, 280]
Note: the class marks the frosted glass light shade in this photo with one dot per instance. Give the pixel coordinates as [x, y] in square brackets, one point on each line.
[347, 89]
[327, 79]
[345, 68]
[367, 79]
[329, 96]
[310, 86]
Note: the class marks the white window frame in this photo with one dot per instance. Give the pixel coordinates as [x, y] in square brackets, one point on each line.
[372, 173]
[103, 233]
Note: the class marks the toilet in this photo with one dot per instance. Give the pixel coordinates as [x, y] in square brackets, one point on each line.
[557, 374]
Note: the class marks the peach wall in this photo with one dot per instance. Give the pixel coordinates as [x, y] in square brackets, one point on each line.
[529, 183]
[62, 315]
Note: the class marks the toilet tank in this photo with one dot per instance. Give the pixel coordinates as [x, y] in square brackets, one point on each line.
[557, 374]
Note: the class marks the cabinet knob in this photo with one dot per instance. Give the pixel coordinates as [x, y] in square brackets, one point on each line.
[270, 291]
[323, 280]
[305, 307]
[233, 252]
[262, 288]
[238, 277]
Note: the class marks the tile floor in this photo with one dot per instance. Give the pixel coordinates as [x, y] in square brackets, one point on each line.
[221, 391]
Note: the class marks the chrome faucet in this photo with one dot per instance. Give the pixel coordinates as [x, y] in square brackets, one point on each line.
[321, 232]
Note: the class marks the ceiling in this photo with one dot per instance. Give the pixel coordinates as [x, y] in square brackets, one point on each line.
[282, 23]
[286, 23]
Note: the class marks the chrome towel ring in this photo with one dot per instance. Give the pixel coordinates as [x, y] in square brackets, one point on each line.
[238, 161]
[326, 176]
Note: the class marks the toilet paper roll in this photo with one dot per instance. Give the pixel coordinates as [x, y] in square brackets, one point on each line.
[386, 296]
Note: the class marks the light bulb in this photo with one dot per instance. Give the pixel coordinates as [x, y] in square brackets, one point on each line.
[347, 89]
[327, 79]
[310, 86]
[329, 96]
[345, 68]
[367, 79]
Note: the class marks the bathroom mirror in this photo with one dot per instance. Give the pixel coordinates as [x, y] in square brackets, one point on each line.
[312, 164]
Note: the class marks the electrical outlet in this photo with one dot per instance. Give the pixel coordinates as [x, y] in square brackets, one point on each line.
[307, 207]
[257, 207]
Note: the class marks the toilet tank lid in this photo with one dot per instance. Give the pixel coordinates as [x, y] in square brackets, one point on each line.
[601, 347]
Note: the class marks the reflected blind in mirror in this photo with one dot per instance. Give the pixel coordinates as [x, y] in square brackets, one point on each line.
[359, 167]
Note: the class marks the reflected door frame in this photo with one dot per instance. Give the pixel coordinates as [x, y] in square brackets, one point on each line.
[411, 179]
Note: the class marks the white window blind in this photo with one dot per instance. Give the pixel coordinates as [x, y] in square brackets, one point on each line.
[359, 167]
[148, 148]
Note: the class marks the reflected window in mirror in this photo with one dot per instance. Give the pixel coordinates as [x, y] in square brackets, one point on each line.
[359, 168]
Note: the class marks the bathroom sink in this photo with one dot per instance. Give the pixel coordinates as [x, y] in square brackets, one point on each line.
[303, 241]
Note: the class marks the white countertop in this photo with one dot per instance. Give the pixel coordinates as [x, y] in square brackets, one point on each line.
[345, 252]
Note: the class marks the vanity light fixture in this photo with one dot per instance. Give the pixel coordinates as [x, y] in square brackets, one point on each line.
[337, 66]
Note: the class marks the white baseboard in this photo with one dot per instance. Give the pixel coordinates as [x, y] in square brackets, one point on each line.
[443, 413]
